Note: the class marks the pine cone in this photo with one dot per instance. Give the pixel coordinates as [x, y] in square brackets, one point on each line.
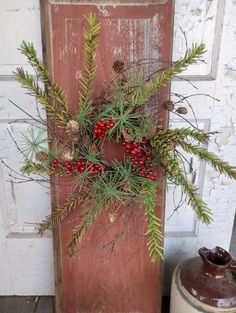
[93, 149]
[182, 110]
[72, 127]
[126, 186]
[85, 141]
[66, 155]
[118, 66]
[168, 105]
[41, 156]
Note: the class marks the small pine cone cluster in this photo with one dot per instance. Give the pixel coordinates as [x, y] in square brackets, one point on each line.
[182, 110]
[118, 66]
[93, 149]
[168, 105]
[126, 186]
[41, 156]
[84, 141]
[72, 127]
[66, 155]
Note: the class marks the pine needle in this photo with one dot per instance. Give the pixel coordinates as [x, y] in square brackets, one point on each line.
[148, 195]
[90, 45]
[172, 167]
[59, 214]
[218, 164]
[53, 90]
[191, 56]
[88, 219]
[28, 81]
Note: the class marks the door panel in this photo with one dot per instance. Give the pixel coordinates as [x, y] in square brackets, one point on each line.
[212, 22]
[25, 258]
[98, 279]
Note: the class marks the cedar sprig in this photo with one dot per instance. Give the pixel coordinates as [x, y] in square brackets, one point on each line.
[41, 169]
[90, 45]
[171, 165]
[28, 81]
[168, 135]
[217, 163]
[148, 196]
[60, 213]
[191, 56]
[54, 91]
[87, 221]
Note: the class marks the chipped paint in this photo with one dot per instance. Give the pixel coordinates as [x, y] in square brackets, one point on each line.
[112, 216]
[111, 2]
[224, 135]
[103, 10]
[78, 75]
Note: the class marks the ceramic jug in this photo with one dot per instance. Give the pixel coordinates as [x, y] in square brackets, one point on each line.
[205, 284]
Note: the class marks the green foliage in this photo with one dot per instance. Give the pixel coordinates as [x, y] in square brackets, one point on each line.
[88, 219]
[172, 166]
[191, 56]
[59, 213]
[218, 164]
[35, 168]
[54, 91]
[34, 142]
[90, 44]
[29, 82]
[117, 183]
[148, 196]
[41, 169]
[180, 134]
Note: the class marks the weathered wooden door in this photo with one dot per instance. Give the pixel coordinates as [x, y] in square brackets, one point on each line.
[102, 277]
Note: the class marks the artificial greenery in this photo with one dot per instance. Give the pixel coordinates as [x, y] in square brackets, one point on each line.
[99, 183]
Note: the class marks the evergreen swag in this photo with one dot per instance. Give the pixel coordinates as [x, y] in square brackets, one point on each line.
[98, 183]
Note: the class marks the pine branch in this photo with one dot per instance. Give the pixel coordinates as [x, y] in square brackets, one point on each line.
[40, 169]
[59, 214]
[27, 81]
[53, 90]
[35, 168]
[154, 225]
[90, 46]
[88, 219]
[172, 167]
[191, 56]
[169, 135]
[218, 164]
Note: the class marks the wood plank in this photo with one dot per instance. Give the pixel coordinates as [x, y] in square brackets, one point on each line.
[20, 305]
[45, 305]
[96, 279]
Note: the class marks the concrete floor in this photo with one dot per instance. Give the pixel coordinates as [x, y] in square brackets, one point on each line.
[26, 304]
[42, 305]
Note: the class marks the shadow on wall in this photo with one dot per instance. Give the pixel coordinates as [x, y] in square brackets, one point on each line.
[233, 241]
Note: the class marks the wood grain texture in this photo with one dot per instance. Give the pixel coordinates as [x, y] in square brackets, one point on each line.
[98, 279]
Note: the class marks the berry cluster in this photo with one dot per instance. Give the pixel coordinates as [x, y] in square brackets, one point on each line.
[140, 158]
[54, 165]
[102, 127]
[79, 167]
